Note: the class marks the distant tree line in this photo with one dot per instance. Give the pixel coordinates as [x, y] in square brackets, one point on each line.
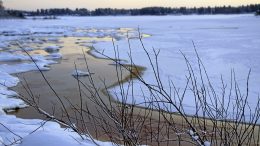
[253, 8]
[146, 11]
[15, 13]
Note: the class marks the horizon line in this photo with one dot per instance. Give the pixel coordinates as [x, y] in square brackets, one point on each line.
[133, 8]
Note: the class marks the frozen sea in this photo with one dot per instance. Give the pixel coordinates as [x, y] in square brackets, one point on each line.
[223, 42]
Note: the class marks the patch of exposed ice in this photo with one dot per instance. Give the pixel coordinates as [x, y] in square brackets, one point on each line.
[80, 73]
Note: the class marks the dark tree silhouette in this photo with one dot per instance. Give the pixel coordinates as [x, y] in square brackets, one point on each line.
[253, 8]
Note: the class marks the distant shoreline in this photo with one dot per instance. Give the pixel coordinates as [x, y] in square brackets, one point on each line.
[154, 11]
[11, 15]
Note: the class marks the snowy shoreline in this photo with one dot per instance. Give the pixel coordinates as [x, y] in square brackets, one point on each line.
[224, 41]
[16, 130]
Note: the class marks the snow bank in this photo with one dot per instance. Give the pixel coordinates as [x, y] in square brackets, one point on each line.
[6, 102]
[47, 134]
[7, 80]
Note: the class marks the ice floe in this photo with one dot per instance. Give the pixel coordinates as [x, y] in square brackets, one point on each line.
[80, 73]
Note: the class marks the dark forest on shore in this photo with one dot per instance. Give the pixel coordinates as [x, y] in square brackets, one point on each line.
[253, 8]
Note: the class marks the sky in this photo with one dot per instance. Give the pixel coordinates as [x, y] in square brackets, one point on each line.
[92, 4]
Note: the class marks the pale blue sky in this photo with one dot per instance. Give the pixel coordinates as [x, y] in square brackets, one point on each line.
[92, 4]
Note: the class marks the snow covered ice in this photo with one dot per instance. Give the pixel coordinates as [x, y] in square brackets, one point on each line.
[223, 42]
